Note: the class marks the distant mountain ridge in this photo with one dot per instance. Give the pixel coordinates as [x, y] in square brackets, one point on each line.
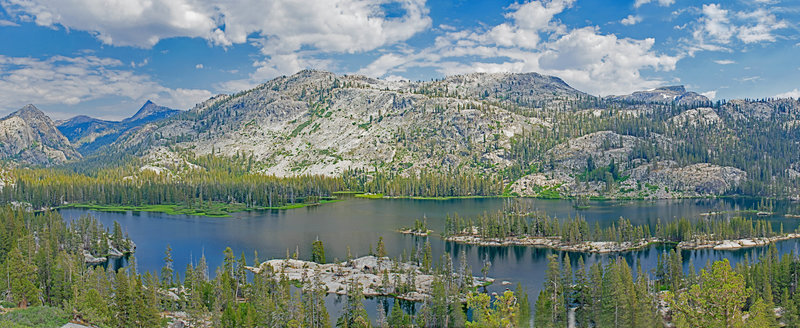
[668, 94]
[535, 132]
[89, 134]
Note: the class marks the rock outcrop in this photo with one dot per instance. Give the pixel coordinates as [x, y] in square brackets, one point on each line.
[29, 136]
[677, 94]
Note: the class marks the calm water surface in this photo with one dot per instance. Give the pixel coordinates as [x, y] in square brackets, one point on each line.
[358, 223]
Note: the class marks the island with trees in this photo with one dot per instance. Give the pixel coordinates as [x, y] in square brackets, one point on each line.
[519, 226]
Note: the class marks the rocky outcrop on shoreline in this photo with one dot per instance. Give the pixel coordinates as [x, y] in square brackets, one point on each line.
[735, 243]
[417, 233]
[113, 252]
[369, 272]
[615, 247]
[554, 243]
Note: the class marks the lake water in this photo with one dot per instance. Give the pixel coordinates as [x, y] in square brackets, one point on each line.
[358, 223]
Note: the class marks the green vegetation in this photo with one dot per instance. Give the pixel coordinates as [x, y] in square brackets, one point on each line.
[370, 196]
[518, 221]
[41, 259]
[720, 296]
[420, 228]
[35, 317]
[215, 209]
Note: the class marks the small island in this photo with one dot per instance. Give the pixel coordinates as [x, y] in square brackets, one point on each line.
[420, 228]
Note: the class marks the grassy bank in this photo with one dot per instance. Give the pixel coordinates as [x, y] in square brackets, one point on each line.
[382, 196]
[215, 209]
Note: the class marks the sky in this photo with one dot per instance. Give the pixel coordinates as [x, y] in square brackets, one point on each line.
[105, 58]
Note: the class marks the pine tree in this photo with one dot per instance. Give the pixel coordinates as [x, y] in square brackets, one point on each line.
[397, 317]
[381, 247]
[317, 252]
[22, 278]
[166, 271]
[716, 301]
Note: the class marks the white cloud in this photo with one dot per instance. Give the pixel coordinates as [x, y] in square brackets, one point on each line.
[345, 26]
[73, 80]
[725, 61]
[290, 33]
[199, 66]
[749, 79]
[710, 94]
[663, 3]
[761, 31]
[717, 28]
[631, 20]
[584, 57]
[4, 22]
[716, 24]
[789, 94]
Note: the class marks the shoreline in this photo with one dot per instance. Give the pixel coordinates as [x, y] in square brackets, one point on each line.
[604, 247]
[175, 209]
[415, 232]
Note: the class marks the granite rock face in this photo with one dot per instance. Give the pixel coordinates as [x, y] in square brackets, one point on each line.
[29, 136]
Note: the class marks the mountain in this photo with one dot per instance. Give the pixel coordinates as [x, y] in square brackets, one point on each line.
[149, 112]
[535, 132]
[29, 136]
[670, 94]
[89, 134]
[320, 123]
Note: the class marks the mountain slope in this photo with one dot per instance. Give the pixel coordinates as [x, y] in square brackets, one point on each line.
[30, 136]
[89, 134]
[317, 122]
[534, 132]
[149, 112]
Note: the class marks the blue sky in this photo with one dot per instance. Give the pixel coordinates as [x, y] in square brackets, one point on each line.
[105, 58]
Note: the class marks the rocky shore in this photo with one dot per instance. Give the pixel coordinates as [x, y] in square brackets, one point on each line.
[553, 243]
[113, 252]
[614, 247]
[370, 272]
[415, 232]
[735, 243]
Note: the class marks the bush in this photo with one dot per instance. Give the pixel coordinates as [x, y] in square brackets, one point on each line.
[36, 317]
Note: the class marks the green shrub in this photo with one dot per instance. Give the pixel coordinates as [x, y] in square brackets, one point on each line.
[36, 317]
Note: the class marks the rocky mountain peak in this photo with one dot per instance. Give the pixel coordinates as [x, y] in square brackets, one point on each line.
[151, 110]
[673, 88]
[667, 94]
[30, 136]
[30, 112]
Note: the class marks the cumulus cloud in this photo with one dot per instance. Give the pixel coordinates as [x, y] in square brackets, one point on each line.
[584, 57]
[199, 66]
[289, 33]
[4, 22]
[73, 80]
[764, 23]
[663, 3]
[631, 20]
[285, 25]
[718, 28]
[789, 94]
[725, 62]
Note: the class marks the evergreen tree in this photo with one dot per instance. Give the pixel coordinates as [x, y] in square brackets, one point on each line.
[317, 252]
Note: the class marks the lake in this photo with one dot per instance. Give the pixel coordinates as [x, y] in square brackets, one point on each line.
[358, 223]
